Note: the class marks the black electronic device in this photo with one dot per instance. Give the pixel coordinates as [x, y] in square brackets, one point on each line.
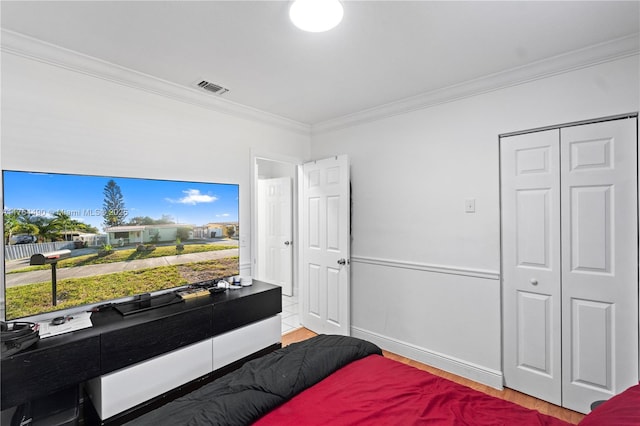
[16, 336]
[205, 283]
[199, 229]
[58, 320]
[214, 290]
[146, 302]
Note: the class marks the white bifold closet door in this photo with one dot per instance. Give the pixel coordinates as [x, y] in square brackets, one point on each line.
[570, 262]
[531, 264]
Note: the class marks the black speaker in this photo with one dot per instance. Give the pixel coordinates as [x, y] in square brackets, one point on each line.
[16, 336]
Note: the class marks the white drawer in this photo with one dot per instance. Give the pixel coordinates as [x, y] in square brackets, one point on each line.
[123, 389]
[243, 341]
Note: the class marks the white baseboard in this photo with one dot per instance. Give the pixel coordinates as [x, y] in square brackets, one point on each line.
[468, 370]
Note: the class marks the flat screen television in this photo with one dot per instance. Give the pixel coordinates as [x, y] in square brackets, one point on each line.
[119, 238]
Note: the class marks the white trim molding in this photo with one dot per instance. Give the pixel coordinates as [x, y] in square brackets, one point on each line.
[440, 269]
[37, 50]
[28, 47]
[478, 373]
[592, 55]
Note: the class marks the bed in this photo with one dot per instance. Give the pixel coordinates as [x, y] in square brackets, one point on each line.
[337, 380]
[621, 410]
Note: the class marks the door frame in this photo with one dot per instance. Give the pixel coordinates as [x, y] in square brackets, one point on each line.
[293, 162]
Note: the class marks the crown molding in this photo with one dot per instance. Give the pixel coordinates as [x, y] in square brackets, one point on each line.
[34, 49]
[592, 55]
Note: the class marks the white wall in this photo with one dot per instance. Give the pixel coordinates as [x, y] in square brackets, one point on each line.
[425, 274]
[58, 120]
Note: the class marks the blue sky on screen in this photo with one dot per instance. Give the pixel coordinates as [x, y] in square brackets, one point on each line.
[82, 197]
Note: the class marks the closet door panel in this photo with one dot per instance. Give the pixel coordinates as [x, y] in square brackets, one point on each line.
[534, 333]
[591, 229]
[592, 340]
[600, 253]
[532, 227]
[530, 192]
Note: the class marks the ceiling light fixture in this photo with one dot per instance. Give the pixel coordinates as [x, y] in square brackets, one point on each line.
[316, 15]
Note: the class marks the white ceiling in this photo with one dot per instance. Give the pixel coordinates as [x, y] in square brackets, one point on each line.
[382, 52]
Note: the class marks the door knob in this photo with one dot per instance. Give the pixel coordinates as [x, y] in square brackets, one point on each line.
[533, 281]
[342, 262]
[286, 243]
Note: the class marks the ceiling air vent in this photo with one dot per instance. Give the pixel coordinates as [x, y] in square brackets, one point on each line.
[212, 87]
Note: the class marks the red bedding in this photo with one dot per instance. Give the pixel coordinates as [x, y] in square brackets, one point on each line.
[621, 410]
[379, 391]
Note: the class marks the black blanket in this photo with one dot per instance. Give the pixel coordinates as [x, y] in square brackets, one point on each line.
[245, 395]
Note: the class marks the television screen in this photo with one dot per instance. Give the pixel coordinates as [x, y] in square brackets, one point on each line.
[107, 238]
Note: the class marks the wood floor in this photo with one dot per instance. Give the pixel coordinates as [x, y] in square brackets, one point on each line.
[507, 394]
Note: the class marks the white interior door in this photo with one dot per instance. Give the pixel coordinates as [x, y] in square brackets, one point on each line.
[275, 226]
[325, 233]
[600, 261]
[531, 264]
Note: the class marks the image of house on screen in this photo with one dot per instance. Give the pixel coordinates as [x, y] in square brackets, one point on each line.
[143, 234]
[215, 230]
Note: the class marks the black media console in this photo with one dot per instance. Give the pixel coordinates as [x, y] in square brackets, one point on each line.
[118, 346]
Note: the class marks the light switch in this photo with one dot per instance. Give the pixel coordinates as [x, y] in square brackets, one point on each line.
[470, 205]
